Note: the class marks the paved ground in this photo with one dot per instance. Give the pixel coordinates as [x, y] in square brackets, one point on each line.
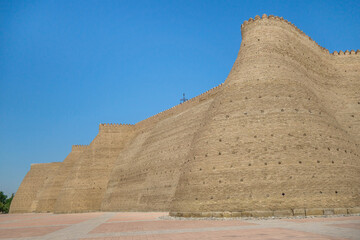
[136, 226]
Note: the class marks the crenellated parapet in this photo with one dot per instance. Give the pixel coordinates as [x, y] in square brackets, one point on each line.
[281, 19]
[79, 147]
[347, 52]
[114, 127]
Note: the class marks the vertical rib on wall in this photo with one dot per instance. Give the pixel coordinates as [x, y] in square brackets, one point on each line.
[50, 192]
[26, 197]
[270, 140]
[146, 173]
[86, 184]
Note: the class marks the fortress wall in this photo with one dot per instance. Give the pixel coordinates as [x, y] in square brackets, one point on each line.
[270, 141]
[48, 195]
[86, 183]
[25, 199]
[282, 132]
[146, 173]
[346, 92]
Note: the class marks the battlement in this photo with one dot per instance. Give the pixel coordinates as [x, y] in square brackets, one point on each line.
[114, 127]
[281, 19]
[79, 147]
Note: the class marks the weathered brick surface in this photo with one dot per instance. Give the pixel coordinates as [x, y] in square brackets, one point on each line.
[27, 196]
[281, 133]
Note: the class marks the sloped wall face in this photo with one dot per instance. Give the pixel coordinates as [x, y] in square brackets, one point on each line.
[49, 193]
[147, 172]
[26, 197]
[86, 184]
[271, 140]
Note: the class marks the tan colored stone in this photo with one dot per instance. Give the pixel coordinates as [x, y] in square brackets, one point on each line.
[354, 210]
[314, 211]
[299, 212]
[246, 214]
[340, 211]
[236, 214]
[206, 214]
[283, 213]
[329, 211]
[227, 215]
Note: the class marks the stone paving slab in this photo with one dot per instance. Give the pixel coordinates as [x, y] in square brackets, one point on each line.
[136, 226]
[28, 232]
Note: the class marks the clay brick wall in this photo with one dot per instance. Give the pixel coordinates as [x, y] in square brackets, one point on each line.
[26, 197]
[146, 172]
[48, 195]
[86, 184]
[279, 136]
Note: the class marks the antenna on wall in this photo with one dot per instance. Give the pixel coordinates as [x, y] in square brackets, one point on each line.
[183, 99]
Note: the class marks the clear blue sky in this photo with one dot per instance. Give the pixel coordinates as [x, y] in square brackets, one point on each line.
[66, 66]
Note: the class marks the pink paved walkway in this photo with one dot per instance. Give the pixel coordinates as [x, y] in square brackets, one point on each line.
[136, 226]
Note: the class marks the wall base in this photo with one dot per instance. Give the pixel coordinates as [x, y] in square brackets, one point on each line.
[271, 213]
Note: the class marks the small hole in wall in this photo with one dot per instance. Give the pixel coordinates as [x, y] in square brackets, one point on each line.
[227, 116]
[214, 168]
[245, 113]
[296, 109]
[259, 96]
[249, 164]
[200, 169]
[196, 198]
[272, 135]
[206, 155]
[211, 197]
[283, 194]
[336, 192]
[265, 163]
[318, 161]
[246, 97]
[219, 153]
[219, 181]
[255, 136]
[320, 192]
[328, 148]
[304, 134]
[279, 162]
[332, 162]
[300, 162]
[241, 180]
[352, 116]
[258, 39]
[220, 140]
[282, 110]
